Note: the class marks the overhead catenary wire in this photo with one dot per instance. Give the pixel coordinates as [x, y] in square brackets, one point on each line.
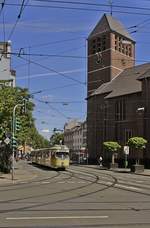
[84, 9]
[53, 42]
[65, 56]
[44, 55]
[41, 59]
[18, 18]
[58, 87]
[61, 102]
[52, 70]
[56, 110]
[92, 4]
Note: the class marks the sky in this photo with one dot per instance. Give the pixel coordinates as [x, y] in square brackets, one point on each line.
[49, 46]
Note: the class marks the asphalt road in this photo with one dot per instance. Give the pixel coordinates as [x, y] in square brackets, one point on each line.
[79, 197]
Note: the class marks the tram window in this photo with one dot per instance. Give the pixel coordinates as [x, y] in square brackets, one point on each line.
[47, 154]
[62, 155]
[53, 154]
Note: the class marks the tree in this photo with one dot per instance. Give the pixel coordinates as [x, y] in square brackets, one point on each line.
[137, 143]
[28, 133]
[112, 147]
[56, 138]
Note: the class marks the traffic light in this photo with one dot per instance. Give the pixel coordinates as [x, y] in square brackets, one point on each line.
[24, 110]
[14, 142]
[17, 124]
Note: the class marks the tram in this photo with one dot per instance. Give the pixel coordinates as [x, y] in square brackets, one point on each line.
[56, 157]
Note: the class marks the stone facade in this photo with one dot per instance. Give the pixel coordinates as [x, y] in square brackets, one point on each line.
[75, 138]
[118, 102]
[7, 75]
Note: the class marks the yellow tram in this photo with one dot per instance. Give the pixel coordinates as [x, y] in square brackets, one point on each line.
[55, 157]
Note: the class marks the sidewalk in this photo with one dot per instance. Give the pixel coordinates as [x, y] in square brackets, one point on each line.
[21, 174]
[121, 170]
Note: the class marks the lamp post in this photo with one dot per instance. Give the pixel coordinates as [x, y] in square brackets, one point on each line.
[13, 133]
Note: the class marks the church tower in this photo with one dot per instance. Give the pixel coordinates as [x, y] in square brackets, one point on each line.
[110, 50]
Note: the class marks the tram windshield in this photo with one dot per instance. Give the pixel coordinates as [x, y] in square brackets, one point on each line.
[62, 155]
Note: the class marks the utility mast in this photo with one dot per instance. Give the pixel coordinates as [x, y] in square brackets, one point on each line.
[111, 6]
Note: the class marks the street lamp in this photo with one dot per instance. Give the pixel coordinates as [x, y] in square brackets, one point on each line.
[13, 133]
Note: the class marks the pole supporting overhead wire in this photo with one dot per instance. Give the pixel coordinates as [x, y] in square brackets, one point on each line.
[18, 18]
[2, 6]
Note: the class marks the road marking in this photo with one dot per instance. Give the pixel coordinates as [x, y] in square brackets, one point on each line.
[45, 182]
[127, 187]
[139, 181]
[58, 217]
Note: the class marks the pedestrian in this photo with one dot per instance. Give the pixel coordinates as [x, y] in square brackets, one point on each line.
[100, 161]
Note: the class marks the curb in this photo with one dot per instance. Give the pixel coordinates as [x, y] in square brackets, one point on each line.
[123, 170]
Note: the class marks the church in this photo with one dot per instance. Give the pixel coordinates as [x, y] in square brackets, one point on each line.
[118, 92]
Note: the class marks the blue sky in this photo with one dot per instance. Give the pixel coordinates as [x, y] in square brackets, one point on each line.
[53, 31]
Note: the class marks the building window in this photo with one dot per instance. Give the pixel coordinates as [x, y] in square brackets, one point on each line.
[98, 44]
[128, 134]
[120, 110]
[123, 47]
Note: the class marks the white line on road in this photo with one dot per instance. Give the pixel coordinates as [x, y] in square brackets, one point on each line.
[139, 181]
[127, 187]
[45, 182]
[58, 217]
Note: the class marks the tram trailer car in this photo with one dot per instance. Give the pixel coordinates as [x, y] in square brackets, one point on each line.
[56, 157]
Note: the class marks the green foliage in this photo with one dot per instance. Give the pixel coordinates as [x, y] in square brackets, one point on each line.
[28, 133]
[111, 146]
[137, 142]
[56, 138]
[1, 133]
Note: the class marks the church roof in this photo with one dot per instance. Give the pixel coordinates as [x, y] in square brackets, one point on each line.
[109, 24]
[125, 83]
[145, 75]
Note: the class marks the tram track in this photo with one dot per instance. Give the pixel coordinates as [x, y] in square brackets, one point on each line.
[117, 184]
[54, 193]
[102, 225]
[73, 174]
[32, 182]
[47, 195]
[94, 185]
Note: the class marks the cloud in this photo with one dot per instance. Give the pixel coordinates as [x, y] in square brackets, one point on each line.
[54, 27]
[45, 131]
[44, 26]
[50, 74]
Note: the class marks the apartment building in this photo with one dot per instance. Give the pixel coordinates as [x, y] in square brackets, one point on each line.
[75, 139]
[7, 74]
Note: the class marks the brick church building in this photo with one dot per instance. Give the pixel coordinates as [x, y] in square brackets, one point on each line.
[118, 92]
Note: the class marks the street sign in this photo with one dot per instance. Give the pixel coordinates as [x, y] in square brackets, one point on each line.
[126, 150]
[7, 140]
